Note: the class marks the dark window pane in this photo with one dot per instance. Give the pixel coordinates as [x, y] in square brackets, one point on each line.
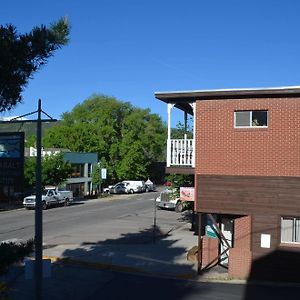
[242, 118]
[259, 118]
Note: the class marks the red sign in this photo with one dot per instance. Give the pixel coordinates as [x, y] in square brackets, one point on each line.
[187, 194]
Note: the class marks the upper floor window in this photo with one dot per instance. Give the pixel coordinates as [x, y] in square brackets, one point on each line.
[251, 118]
[290, 230]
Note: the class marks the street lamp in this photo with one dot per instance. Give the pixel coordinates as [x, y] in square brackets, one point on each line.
[38, 200]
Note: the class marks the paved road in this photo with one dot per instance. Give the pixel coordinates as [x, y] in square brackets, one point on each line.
[107, 220]
[88, 221]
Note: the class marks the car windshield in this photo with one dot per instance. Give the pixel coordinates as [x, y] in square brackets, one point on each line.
[44, 192]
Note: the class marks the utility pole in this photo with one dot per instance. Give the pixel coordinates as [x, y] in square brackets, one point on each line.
[38, 210]
[38, 205]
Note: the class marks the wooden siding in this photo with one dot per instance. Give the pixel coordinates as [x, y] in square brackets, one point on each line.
[262, 224]
[248, 195]
[180, 170]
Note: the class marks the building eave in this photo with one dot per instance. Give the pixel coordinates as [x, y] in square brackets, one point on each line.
[194, 95]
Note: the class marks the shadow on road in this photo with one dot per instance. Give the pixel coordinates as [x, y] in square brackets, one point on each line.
[149, 251]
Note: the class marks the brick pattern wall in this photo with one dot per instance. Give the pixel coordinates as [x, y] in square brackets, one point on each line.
[240, 255]
[242, 232]
[225, 150]
[210, 250]
[222, 149]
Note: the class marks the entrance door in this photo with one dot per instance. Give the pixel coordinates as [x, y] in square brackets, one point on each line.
[227, 230]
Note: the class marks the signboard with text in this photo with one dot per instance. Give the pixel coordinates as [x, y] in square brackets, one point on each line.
[103, 173]
[11, 160]
[187, 193]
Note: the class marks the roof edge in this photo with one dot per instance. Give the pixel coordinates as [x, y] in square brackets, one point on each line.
[227, 93]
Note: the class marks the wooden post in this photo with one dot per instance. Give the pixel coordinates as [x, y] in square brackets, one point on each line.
[199, 242]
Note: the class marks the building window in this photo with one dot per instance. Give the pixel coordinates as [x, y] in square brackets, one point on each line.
[290, 230]
[77, 170]
[251, 118]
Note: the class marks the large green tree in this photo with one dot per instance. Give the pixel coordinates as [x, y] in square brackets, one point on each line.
[21, 55]
[127, 139]
[55, 170]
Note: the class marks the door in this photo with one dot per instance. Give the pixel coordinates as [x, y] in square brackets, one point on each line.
[227, 231]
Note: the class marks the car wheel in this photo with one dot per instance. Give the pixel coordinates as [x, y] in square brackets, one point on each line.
[179, 207]
[131, 191]
[67, 202]
[44, 205]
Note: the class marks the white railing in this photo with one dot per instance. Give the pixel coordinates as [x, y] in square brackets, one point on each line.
[180, 152]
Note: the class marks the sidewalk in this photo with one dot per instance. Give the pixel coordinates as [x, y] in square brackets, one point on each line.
[76, 266]
[166, 256]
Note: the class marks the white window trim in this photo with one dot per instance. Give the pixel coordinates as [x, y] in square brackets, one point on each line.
[285, 242]
[250, 126]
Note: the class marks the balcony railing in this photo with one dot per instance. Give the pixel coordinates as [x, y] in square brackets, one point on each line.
[180, 152]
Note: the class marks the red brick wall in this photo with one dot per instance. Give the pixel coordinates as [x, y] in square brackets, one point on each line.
[242, 233]
[239, 263]
[210, 251]
[240, 255]
[225, 150]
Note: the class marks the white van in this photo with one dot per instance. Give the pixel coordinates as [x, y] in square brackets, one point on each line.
[134, 186]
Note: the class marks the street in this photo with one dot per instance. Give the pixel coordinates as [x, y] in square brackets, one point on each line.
[88, 221]
[119, 228]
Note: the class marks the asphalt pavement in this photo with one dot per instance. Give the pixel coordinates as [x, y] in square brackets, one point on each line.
[160, 253]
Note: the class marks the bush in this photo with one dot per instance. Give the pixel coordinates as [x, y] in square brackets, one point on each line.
[11, 253]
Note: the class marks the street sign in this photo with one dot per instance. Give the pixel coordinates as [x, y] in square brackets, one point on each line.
[103, 173]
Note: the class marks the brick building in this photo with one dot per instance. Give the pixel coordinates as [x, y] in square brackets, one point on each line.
[245, 157]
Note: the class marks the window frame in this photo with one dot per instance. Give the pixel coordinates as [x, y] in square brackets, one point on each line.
[294, 230]
[250, 118]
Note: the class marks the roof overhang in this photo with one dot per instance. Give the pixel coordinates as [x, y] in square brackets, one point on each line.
[181, 99]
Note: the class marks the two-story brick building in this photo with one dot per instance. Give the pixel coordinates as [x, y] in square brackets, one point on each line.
[245, 157]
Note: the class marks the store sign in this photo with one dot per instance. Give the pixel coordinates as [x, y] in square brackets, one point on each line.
[103, 173]
[187, 194]
[12, 159]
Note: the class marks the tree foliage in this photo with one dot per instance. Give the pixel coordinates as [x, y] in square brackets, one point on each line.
[181, 129]
[21, 55]
[127, 139]
[55, 170]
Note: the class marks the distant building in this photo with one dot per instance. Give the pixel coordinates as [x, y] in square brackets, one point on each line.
[80, 180]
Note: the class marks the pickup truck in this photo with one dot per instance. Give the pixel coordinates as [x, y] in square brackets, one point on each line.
[50, 196]
[170, 200]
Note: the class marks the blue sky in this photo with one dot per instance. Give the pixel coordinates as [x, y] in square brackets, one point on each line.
[131, 49]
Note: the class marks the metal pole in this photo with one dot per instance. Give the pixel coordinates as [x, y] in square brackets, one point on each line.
[154, 222]
[39, 211]
[199, 242]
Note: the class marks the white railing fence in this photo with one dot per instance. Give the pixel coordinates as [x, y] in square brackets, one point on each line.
[180, 152]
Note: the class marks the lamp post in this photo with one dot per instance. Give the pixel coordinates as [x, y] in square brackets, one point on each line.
[38, 205]
[38, 209]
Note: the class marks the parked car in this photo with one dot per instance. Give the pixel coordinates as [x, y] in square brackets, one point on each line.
[50, 196]
[118, 188]
[134, 186]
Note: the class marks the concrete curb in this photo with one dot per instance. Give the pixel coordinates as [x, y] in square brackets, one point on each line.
[115, 267]
[185, 276]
